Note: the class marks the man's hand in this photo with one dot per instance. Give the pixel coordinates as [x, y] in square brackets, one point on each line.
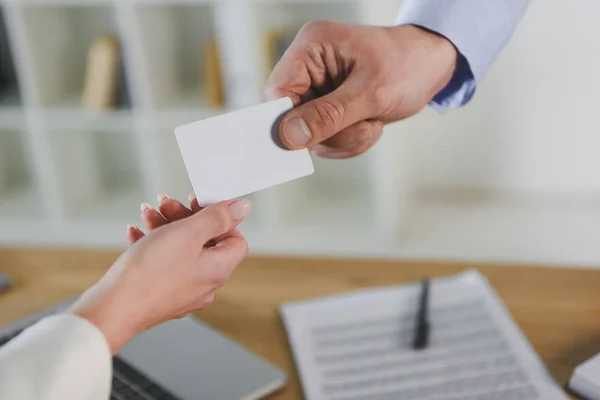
[168, 273]
[348, 81]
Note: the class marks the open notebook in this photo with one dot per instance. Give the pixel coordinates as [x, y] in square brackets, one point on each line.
[358, 346]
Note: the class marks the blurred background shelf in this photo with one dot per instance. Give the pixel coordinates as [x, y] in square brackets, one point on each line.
[19, 196]
[173, 41]
[10, 97]
[59, 38]
[100, 174]
[11, 118]
[73, 171]
[10, 94]
[62, 3]
[336, 196]
[82, 119]
[536, 228]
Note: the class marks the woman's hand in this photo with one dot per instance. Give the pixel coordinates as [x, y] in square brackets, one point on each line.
[169, 210]
[169, 272]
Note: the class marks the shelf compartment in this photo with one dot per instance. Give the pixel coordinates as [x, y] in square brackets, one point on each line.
[171, 175]
[165, 165]
[99, 175]
[19, 195]
[281, 21]
[10, 95]
[12, 118]
[175, 39]
[77, 119]
[338, 194]
[62, 3]
[62, 40]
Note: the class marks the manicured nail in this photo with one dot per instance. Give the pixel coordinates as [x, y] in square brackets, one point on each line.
[296, 132]
[240, 209]
[145, 206]
[191, 196]
[130, 227]
[162, 197]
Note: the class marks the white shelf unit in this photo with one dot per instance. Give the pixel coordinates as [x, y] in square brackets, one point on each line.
[73, 177]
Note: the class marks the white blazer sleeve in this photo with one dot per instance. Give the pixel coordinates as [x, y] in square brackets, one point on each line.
[61, 357]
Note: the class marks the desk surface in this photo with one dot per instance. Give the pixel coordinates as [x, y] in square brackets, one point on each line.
[558, 309]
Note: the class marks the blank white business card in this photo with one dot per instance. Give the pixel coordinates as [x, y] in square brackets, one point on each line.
[238, 153]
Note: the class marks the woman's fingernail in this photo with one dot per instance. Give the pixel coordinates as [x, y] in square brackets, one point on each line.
[296, 132]
[145, 206]
[130, 228]
[191, 196]
[240, 209]
[162, 197]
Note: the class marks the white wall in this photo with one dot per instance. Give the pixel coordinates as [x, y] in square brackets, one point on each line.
[533, 124]
[515, 175]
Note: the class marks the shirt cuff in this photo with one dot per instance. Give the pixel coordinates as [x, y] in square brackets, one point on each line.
[458, 91]
[477, 29]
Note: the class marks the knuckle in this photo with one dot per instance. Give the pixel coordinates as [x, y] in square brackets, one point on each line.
[328, 114]
[314, 26]
[270, 92]
[364, 132]
[371, 131]
[181, 315]
[219, 219]
[241, 252]
[207, 300]
[364, 135]
[244, 248]
[363, 148]
[379, 97]
[219, 279]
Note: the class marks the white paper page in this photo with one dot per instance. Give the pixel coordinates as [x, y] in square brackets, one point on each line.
[358, 346]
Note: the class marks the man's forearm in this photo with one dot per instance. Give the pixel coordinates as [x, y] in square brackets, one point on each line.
[478, 29]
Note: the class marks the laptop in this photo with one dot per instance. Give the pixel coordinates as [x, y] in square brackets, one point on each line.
[181, 359]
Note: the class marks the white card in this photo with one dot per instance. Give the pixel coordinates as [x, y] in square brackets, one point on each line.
[238, 153]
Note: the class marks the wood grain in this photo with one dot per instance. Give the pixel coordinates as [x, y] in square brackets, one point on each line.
[558, 309]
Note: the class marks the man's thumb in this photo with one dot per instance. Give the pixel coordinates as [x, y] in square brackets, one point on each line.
[321, 118]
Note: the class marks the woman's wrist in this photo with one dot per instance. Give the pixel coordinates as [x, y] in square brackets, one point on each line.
[109, 313]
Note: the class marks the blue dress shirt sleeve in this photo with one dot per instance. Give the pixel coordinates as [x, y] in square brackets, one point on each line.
[479, 29]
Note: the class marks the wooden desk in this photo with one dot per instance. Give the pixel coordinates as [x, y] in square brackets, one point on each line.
[559, 309]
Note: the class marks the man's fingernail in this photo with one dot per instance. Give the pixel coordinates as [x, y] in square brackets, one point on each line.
[145, 206]
[296, 132]
[162, 197]
[240, 209]
[191, 196]
[332, 152]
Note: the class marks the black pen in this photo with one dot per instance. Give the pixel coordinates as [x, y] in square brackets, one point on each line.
[421, 338]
